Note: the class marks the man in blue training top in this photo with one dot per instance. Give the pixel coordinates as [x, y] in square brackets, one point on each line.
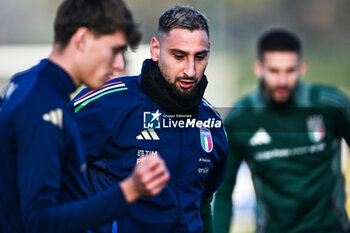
[43, 166]
[160, 111]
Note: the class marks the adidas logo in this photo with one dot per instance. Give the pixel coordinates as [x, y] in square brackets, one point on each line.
[55, 117]
[148, 134]
[261, 137]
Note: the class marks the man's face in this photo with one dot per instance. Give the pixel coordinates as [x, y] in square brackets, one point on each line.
[280, 72]
[182, 57]
[102, 57]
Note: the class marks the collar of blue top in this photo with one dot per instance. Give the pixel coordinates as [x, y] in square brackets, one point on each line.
[155, 86]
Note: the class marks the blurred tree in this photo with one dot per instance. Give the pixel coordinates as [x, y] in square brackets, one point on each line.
[28, 21]
[322, 20]
[148, 13]
[234, 26]
[321, 24]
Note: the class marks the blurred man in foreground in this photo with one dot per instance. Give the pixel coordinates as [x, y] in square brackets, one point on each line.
[43, 165]
[289, 134]
[160, 111]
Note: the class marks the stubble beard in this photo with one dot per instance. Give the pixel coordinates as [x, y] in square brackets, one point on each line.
[269, 92]
[177, 92]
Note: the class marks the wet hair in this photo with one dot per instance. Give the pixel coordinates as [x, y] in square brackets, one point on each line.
[278, 40]
[184, 17]
[101, 17]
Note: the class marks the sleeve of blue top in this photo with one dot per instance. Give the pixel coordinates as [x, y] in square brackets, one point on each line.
[38, 177]
[215, 179]
[218, 172]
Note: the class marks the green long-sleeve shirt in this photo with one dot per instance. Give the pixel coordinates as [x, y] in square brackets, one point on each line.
[293, 153]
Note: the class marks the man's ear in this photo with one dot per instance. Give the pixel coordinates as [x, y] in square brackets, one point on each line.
[155, 49]
[209, 44]
[80, 38]
[258, 69]
[303, 68]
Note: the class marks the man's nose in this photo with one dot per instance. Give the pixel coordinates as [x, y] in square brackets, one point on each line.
[283, 79]
[190, 68]
[118, 64]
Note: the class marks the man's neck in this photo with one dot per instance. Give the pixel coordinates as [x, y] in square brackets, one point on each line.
[65, 60]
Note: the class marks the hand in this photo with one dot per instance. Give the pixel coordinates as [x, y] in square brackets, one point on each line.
[148, 178]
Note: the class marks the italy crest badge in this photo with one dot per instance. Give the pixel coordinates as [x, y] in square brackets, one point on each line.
[206, 140]
[316, 128]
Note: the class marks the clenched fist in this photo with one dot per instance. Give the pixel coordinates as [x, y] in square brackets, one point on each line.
[148, 178]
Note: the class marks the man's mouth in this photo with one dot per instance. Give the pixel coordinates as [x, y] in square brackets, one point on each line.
[186, 83]
[282, 92]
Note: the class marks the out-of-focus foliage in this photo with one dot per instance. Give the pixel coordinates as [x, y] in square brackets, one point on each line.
[29, 21]
[234, 27]
[321, 20]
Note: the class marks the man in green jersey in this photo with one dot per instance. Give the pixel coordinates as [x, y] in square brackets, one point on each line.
[289, 134]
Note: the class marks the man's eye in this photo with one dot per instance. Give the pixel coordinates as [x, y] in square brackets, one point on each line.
[201, 57]
[119, 50]
[290, 71]
[178, 57]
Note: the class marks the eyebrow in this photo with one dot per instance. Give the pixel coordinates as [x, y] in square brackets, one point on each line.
[186, 53]
[122, 48]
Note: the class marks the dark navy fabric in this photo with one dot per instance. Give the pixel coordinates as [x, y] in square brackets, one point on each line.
[112, 125]
[43, 175]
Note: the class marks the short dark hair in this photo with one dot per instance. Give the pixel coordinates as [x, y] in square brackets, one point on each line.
[184, 17]
[102, 17]
[278, 40]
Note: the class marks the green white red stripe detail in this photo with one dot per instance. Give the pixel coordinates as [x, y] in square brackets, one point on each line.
[88, 93]
[95, 94]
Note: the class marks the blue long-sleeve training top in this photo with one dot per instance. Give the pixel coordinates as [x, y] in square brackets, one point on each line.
[43, 166]
[120, 124]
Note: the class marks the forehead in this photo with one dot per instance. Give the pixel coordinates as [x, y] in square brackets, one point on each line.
[281, 58]
[186, 40]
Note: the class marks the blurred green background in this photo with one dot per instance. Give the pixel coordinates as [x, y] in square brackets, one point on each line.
[234, 27]
[27, 34]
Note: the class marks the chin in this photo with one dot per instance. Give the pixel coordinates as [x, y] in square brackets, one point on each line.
[281, 100]
[187, 92]
[96, 85]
